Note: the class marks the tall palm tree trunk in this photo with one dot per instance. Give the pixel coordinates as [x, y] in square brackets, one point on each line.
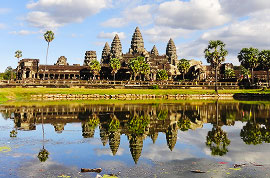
[217, 111]
[268, 82]
[114, 77]
[216, 89]
[42, 130]
[252, 75]
[46, 59]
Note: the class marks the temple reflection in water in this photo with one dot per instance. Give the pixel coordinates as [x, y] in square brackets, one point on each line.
[138, 122]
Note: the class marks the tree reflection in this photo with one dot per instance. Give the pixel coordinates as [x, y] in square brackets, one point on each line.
[184, 124]
[217, 139]
[251, 133]
[43, 154]
[88, 127]
[137, 124]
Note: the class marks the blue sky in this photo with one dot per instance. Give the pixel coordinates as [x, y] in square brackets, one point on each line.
[81, 25]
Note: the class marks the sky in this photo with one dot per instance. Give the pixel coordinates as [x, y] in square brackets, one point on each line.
[83, 25]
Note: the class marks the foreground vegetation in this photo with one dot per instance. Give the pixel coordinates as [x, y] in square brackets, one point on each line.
[20, 94]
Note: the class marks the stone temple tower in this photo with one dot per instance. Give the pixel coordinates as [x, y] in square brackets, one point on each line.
[137, 44]
[116, 48]
[154, 51]
[89, 56]
[106, 54]
[171, 52]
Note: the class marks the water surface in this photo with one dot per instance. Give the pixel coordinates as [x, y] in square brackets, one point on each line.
[132, 139]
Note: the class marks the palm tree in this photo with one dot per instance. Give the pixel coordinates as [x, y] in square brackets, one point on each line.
[18, 54]
[183, 67]
[49, 36]
[264, 60]
[115, 65]
[215, 54]
[249, 58]
[94, 67]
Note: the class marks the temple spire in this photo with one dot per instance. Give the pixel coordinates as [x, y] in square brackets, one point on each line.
[171, 52]
[116, 48]
[154, 51]
[137, 44]
[105, 54]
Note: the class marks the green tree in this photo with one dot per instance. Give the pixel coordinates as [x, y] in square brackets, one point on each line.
[139, 66]
[183, 66]
[8, 74]
[95, 67]
[48, 36]
[134, 66]
[115, 65]
[162, 75]
[249, 58]
[145, 69]
[245, 72]
[264, 60]
[215, 54]
[18, 54]
[229, 73]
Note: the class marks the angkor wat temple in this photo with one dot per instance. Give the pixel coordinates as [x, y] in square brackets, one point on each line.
[32, 69]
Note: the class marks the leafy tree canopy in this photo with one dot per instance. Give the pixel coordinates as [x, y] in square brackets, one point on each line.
[162, 75]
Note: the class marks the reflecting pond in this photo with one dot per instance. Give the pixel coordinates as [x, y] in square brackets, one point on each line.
[59, 140]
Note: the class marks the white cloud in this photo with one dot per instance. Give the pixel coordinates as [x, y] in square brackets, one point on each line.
[141, 14]
[193, 14]
[23, 32]
[111, 35]
[115, 22]
[157, 33]
[51, 14]
[254, 31]
[244, 7]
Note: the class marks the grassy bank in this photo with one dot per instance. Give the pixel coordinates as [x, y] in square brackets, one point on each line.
[20, 94]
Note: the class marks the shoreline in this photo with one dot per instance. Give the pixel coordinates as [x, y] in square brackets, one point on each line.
[48, 94]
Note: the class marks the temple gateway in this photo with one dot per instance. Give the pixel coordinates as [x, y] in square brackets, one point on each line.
[32, 69]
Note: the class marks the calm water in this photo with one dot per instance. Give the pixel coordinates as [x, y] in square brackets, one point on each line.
[121, 137]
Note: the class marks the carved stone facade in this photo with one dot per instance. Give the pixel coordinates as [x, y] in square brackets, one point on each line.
[171, 52]
[167, 61]
[62, 61]
[89, 56]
